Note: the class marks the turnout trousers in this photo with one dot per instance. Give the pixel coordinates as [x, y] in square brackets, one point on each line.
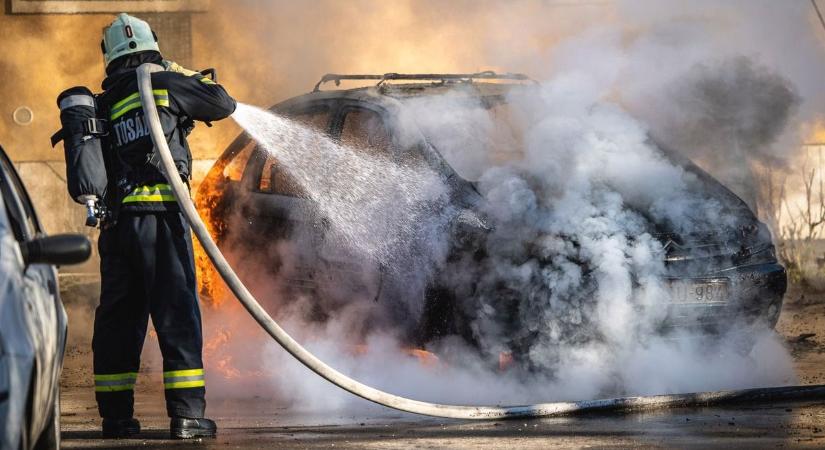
[147, 270]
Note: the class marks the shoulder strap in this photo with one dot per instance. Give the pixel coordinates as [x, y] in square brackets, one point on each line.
[57, 137]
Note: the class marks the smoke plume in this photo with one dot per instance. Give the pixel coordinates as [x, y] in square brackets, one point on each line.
[564, 266]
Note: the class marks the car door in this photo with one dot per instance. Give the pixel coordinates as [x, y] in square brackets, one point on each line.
[270, 214]
[362, 127]
[277, 207]
[39, 313]
[16, 346]
[274, 196]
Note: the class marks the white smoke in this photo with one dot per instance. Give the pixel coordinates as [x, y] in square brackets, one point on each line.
[589, 289]
[574, 191]
[572, 248]
[707, 81]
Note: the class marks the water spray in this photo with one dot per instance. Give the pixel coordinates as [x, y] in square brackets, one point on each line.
[357, 388]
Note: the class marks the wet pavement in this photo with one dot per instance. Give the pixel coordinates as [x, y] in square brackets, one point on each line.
[254, 423]
[258, 423]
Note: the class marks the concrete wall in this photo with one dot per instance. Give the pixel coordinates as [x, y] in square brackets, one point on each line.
[264, 51]
[267, 51]
[40, 56]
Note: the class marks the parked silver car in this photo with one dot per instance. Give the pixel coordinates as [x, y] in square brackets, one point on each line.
[32, 318]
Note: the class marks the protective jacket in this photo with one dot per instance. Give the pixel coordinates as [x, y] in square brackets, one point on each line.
[131, 162]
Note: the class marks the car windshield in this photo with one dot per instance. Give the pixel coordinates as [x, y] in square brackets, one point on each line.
[472, 133]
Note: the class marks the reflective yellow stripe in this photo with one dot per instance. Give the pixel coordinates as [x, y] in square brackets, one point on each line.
[184, 384]
[183, 379]
[155, 186]
[118, 388]
[115, 382]
[157, 92]
[149, 198]
[135, 105]
[206, 80]
[183, 373]
[133, 102]
[125, 100]
[116, 376]
[156, 193]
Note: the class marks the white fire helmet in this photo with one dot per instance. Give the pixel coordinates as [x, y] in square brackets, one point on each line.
[127, 35]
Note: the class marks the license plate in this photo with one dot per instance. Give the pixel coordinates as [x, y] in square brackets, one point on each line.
[699, 291]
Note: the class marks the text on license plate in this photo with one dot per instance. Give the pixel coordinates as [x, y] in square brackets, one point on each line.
[699, 291]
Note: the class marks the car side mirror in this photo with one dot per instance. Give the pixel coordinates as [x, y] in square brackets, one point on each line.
[59, 249]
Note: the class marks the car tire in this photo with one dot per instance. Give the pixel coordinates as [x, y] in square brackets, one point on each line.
[50, 437]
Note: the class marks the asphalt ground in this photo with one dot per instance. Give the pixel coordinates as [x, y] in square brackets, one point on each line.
[253, 424]
[258, 423]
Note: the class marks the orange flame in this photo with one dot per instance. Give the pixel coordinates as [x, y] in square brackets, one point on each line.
[816, 132]
[425, 358]
[222, 363]
[505, 361]
[211, 287]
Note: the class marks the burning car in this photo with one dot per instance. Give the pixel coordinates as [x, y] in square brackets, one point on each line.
[713, 276]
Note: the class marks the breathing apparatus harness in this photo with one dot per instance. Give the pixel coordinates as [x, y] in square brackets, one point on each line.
[85, 135]
[131, 176]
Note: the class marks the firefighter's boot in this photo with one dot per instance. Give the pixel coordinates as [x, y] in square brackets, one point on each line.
[120, 428]
[186, 428]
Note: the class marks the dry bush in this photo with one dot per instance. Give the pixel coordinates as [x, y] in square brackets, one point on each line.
[799, 226]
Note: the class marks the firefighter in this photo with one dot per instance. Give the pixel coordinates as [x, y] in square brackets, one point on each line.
[146, 261]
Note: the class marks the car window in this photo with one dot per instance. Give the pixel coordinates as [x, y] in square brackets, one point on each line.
[234, 169]
[364, 130]
[316, 118]
[18, 205]
[274, 179]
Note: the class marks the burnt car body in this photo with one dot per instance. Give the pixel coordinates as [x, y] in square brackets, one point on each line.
[715, 277]
[33, 322]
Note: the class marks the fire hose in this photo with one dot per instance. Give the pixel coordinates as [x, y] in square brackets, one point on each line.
[394, 401]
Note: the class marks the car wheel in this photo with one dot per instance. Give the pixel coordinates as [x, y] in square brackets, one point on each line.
[50, 437]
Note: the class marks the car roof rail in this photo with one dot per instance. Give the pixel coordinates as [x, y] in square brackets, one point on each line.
[442, 77]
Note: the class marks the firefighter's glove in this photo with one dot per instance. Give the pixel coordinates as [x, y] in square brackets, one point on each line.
[172, 66]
